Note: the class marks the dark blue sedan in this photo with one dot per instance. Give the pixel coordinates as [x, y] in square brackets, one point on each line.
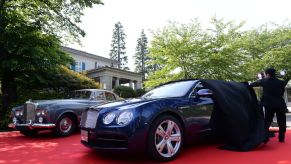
[159, 122]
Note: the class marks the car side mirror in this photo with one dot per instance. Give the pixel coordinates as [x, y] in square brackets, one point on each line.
[204, 93]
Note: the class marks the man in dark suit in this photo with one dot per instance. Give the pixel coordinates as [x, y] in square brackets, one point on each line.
[273, 101]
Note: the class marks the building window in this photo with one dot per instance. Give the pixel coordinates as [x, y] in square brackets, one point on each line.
[73, 67]
[79, 66]
[96, 65]
[83, 66]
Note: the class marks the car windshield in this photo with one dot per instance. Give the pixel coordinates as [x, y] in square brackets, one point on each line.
[176, 89]
[80, 95]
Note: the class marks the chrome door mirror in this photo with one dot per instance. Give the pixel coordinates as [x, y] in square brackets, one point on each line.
[204, 93]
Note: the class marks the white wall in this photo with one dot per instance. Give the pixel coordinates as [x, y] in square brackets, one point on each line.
[90, 62]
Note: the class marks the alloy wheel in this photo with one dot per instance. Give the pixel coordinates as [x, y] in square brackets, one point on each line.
[168, 138]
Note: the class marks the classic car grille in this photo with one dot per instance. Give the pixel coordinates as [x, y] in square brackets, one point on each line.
[29, 112]
[89, 119]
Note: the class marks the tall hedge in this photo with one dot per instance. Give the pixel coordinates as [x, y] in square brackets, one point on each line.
[124, 92]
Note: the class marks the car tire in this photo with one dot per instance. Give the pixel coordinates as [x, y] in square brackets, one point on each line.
[29, 133]
[66, 125]
[161, 138]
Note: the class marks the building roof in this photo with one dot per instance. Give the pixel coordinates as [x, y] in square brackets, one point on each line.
[86, 54]
[117, 70]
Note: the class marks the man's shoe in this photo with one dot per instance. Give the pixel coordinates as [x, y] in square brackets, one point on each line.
[281, 140]
[281, 137]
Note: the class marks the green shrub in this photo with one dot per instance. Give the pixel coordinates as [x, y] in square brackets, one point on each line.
[140, 92]
[124, 92]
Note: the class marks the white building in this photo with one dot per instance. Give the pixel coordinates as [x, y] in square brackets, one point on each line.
[103, 70]
[86, 61]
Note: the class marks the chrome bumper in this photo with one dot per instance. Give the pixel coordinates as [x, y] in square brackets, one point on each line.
[32, 126]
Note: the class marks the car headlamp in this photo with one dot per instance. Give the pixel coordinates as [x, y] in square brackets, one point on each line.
[40, 112]
[40, 120]
[17, 113]
[14, 120]
[108, 118]
[124, 118]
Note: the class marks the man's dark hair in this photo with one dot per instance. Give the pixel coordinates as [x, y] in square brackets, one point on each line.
[271, 72]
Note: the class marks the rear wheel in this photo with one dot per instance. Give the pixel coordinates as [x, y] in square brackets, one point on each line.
[66, 125]
[29, 132]
[165, 138]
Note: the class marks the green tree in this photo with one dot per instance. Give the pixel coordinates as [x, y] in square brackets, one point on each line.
[30, 38]
[187, 51]
[118, 48]
[266, 46]
[141, 58]
[222, 51]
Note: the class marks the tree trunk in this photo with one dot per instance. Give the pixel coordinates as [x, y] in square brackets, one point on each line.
[9, 94]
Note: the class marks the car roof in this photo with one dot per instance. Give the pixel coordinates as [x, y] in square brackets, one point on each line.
[92, 90]
[178, 81]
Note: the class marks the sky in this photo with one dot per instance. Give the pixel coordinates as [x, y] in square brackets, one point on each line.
[135, 15]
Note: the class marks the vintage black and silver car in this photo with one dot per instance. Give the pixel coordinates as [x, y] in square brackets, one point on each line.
[62, 116]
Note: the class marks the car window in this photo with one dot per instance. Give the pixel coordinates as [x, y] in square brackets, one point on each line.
[175, 89]
[109, 96]
[99, 95]
[82, 94]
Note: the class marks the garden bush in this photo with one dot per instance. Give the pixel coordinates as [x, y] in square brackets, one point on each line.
[124, 92]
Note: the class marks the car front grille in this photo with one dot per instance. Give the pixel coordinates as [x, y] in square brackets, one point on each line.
[29, 112]
[89, 119]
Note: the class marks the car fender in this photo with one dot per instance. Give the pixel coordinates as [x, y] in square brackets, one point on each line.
[60, 112]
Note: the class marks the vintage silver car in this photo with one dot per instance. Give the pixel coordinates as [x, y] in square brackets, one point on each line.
[62, 116]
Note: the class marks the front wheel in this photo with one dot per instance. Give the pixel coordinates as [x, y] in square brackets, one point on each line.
[66, 126]
[165, 138]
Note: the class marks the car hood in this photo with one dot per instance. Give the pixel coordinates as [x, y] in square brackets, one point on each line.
[121, 103]
[60, 102]
[126, 104]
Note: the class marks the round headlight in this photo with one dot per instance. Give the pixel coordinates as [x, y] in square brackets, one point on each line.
[40, 112]
[14, 120]
[108, 118]
[43, 112]
[124, 118]
[40, 119]
[17, 113]
[21, 113]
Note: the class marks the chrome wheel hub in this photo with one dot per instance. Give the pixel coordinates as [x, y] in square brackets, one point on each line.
[65, 125]
[168, 138]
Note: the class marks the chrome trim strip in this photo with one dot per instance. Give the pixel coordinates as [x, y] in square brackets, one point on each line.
[33, 126]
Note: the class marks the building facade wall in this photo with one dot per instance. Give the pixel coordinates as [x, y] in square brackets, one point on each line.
[90, 63]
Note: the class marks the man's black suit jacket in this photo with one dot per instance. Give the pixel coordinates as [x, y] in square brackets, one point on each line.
[273, 91]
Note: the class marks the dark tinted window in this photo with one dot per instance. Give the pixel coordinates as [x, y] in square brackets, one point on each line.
[80, 94]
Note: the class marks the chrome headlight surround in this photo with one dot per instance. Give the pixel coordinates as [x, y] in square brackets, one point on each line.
[18, 113]
[41, 112]
[124, 117]
[108, 118]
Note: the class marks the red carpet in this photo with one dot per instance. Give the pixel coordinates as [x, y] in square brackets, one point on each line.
[15, 148]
